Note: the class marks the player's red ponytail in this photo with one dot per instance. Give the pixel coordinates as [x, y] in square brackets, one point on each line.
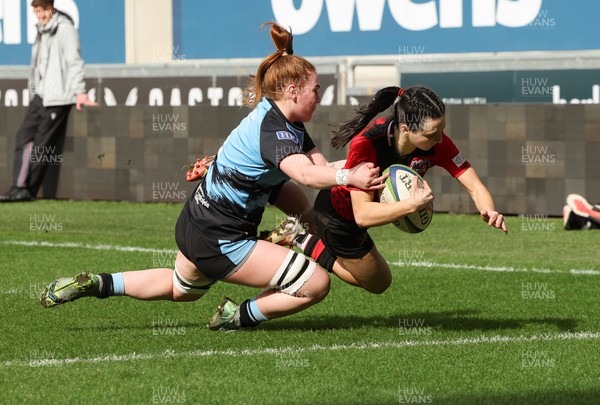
[277, 70]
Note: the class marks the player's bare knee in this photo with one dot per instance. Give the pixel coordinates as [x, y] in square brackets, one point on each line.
[179, 297]
[321, 287]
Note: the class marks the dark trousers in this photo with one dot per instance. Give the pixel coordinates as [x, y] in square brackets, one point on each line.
[39, 144]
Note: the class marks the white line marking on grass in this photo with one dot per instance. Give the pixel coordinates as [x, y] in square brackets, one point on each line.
[73, 245]
[13, 291]
[88, 246]
[400, 263]
[114, 358]
[585, 272]
[504, 269]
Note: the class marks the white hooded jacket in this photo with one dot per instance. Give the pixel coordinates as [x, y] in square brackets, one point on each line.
[62, 78]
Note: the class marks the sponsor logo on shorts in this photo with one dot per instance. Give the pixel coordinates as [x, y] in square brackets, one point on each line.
[199, 198]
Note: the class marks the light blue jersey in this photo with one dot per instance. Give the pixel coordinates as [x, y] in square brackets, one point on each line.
[229, 203]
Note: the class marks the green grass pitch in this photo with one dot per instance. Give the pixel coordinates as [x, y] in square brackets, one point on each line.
[472, 317]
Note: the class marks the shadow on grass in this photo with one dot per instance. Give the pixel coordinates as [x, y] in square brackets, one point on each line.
[548, 397]
[463, 320]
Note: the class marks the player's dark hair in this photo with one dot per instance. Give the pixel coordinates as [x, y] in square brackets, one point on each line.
[42, 3]
[277, 70]
[414, 105]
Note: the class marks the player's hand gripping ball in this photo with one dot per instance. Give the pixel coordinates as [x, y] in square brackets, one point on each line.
[398, 188]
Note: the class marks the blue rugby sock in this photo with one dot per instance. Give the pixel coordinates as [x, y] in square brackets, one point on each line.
[111, 284]
[250, 315]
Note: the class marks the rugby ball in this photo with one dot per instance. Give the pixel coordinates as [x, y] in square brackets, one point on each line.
[397, 188]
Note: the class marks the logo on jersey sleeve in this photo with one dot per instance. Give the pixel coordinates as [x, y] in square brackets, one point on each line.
[287, 136]
[459, 160]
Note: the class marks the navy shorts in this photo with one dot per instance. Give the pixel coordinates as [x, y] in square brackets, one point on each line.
[216, 259]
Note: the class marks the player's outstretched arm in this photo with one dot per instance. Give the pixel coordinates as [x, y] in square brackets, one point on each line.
[317, 157]
[300, 168]
[320, 160]
[482, 198]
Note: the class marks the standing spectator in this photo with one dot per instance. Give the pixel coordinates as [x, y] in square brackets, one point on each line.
[55, 84]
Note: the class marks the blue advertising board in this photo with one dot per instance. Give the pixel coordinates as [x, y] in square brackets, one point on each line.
[231, 28]
[101, 25]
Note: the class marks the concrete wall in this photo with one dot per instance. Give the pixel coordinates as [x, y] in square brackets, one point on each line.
[149, 32]
[529, 156]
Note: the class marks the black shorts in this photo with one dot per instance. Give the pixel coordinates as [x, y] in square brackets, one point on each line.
[275, 193]
[342, 237]
[216, 259]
